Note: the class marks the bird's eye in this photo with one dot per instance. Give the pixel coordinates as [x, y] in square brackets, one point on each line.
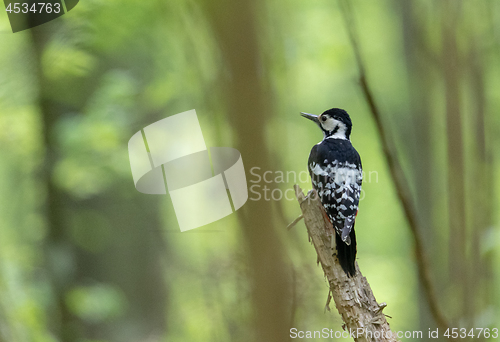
[323, 118]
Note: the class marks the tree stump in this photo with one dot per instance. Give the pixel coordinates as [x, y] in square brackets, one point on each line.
[353, 297]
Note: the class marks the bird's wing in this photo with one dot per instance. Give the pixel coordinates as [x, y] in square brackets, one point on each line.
[347, 183]
[339, 188]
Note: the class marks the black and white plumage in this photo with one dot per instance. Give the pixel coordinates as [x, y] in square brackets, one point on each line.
[336, 174]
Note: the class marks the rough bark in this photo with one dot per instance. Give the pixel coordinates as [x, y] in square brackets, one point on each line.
[353, 297]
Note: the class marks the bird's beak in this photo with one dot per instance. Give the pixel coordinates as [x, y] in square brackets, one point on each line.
[311, 117]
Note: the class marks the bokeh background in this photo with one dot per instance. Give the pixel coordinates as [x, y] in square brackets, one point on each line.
[85, 257]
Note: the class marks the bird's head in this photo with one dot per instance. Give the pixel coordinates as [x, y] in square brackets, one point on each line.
[335, 123]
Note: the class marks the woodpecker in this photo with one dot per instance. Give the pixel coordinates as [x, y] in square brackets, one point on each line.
[336, 174]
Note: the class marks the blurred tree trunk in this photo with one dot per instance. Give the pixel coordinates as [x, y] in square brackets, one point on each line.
[467, 268]
[130, 263]
[480, 204]
[422, 154]
[451, 62]
[59, 253]
[248, 110]
[401, 183]
[481, 187]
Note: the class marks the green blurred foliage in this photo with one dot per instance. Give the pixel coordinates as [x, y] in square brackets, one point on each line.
[116, 66]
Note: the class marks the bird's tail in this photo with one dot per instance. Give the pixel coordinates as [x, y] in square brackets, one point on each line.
[347, 253]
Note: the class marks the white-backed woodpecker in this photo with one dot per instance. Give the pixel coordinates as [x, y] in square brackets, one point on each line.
[336, 174]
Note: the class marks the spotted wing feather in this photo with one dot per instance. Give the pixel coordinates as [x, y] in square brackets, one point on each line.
[336, 175]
